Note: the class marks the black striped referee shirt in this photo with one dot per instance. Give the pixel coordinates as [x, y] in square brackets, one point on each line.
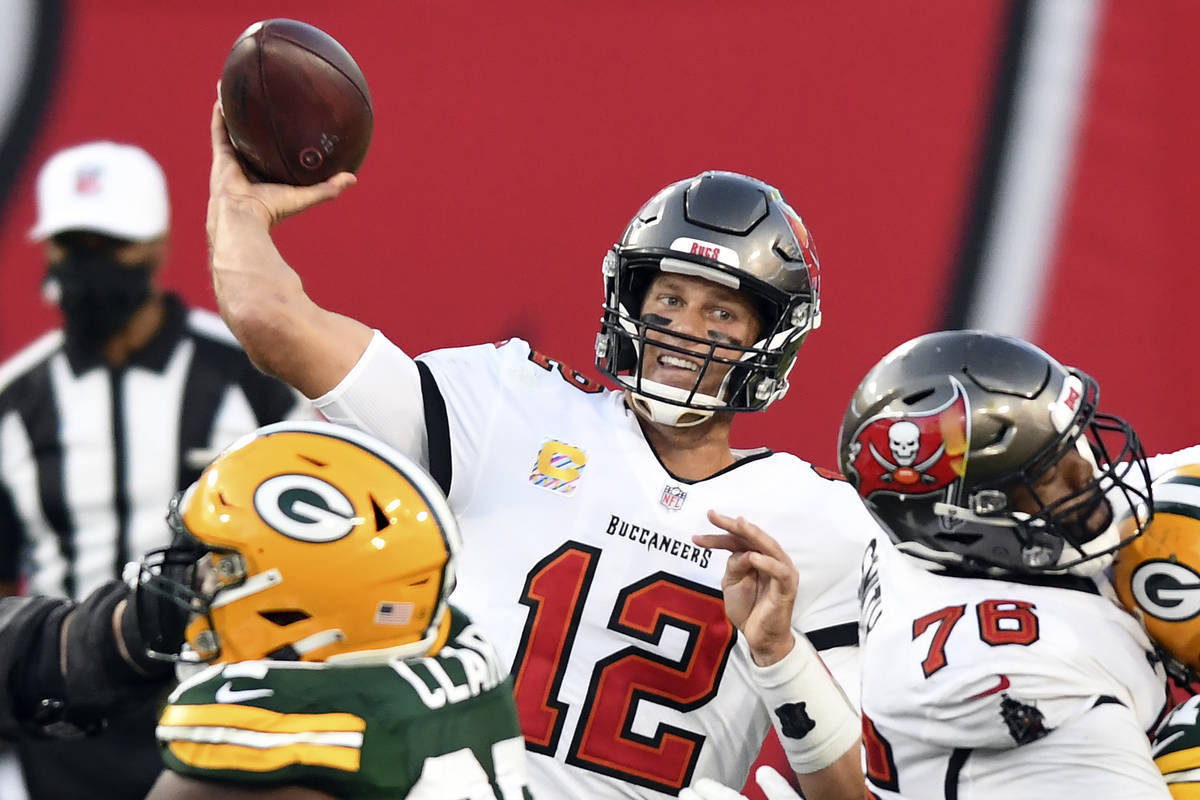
[90, 455]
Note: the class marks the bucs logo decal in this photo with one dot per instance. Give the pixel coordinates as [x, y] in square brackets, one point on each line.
[920, 454]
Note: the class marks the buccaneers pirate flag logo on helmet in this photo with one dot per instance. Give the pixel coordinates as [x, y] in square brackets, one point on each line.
[913, 453]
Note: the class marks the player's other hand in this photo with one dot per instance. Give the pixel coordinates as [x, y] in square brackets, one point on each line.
[230, 189]
[773, 786]
[759, 586]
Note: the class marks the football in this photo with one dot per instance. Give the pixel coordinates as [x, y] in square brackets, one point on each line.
[295, 103]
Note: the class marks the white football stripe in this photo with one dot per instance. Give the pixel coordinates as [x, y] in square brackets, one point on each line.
[214, 734]
[1183, 776]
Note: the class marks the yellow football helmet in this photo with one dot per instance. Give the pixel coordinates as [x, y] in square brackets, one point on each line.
[1157, 575]
[308, 541]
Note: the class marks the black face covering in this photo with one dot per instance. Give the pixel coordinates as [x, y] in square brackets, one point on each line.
[97, 295]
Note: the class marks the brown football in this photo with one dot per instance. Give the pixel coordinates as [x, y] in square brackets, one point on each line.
[295, 103]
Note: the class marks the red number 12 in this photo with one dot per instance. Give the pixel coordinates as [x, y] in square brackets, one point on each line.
[555, 591]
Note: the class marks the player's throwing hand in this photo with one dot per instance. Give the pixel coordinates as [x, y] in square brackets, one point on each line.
[271, 202]
[759, 586]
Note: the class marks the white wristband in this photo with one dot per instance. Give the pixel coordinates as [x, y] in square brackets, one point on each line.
[815, 722]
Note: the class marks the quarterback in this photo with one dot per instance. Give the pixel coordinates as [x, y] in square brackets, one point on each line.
[578, 503]
[314, 564]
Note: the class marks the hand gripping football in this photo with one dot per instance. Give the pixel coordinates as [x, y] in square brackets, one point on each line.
[295, 103]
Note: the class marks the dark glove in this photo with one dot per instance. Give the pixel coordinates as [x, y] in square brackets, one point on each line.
[106, 666]
[75, 666]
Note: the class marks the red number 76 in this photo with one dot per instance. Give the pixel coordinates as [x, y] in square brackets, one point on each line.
[1000, 622]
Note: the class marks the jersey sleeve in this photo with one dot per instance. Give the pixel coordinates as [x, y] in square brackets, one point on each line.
[381, 395]
[249, 727]
[438, 409]
[397, 729]
[828, 554]
[1176, 748]
[468, 391]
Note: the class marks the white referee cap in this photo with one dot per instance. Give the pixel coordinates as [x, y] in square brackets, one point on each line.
[104, 187]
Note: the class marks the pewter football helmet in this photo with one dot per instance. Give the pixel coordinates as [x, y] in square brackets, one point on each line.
[733, 230]
[941, 432]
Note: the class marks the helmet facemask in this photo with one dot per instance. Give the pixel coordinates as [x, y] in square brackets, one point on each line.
[171, 596]
[757, 372]
[1065, 534]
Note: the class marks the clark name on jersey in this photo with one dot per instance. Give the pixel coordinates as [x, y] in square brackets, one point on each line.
[424, 728]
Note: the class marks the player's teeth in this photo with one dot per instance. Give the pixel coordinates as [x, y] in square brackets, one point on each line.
[672, 361]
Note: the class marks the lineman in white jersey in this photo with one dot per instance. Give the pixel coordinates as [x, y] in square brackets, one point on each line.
[577, 504]
[996, 661]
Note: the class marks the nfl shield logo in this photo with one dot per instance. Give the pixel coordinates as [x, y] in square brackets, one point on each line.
[672, 497]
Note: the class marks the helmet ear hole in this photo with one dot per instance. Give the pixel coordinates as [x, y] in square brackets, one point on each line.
[284, 617]
[917, 397]
[381, 519]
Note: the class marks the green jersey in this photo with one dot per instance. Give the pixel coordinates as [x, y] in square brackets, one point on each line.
[443, 727]
[1176, 749]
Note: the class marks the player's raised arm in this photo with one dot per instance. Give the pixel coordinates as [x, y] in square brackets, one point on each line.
[260, 297]
[817, 725]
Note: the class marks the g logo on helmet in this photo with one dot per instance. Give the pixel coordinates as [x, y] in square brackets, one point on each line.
[1166, 590]
[305, 508]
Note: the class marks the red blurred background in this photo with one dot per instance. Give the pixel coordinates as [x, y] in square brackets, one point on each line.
[513, 141]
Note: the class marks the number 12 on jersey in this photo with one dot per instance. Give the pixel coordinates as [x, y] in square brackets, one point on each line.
[604, 740]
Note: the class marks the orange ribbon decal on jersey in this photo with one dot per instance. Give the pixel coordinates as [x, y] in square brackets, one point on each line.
[558, 467]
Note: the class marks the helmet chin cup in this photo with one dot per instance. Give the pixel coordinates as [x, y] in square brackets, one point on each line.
[654, 409]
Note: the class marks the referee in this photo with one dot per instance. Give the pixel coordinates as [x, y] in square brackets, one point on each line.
[102, 421]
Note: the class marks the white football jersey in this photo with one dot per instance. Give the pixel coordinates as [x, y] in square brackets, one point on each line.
[964, 676]
[578, 561]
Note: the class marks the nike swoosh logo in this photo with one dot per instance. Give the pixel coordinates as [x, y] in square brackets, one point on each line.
[227, 694]
[1160, 746]
[999, 687]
